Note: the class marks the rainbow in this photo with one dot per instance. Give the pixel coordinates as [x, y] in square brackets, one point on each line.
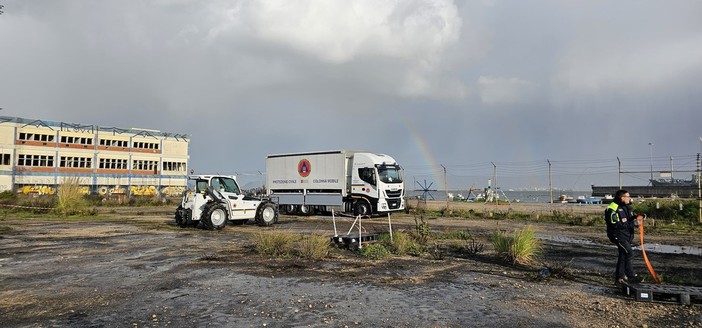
[426, 153]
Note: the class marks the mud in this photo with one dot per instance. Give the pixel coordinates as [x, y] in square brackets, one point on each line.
[139, 270]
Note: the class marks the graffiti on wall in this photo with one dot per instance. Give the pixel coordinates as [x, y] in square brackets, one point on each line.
[47, 190]
[169, 191]
[173, 191]
[111, 190]
[39, 190]
[143, 191]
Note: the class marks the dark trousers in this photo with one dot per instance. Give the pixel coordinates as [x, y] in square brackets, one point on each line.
[624, 268]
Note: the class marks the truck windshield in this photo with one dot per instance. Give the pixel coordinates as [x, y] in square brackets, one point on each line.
[390, 173]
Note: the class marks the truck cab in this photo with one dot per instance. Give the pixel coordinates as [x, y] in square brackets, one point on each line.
[376, 184]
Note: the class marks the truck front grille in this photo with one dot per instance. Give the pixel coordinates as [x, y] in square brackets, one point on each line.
[394, 204]
[393, 194]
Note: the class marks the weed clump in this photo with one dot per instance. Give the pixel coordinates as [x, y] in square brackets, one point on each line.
[8, 197]
[402, 243]
[70, 197]
[313, 247]
[521, 247]
[460, 235]
[474, 247]
[274, 244]
[280, 244]
[375, 251]
[422, 231]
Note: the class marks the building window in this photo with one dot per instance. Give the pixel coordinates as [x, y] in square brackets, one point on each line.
[114, 143]
[76, 162]
[174, 166]
[5, 159]
[35, 160]
[24, 136]
[112, 164]
[145, 165]
[145, 145]
[77, 140]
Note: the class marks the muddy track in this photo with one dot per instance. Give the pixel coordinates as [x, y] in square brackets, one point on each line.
[140, 270]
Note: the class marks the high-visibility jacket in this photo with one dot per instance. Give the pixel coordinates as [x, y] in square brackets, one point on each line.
[620, 222]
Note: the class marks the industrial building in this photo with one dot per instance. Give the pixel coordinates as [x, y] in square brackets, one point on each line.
[38, 156]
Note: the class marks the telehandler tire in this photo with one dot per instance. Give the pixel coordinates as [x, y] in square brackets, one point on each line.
[267, 214]
[216, 217]
[183, 218]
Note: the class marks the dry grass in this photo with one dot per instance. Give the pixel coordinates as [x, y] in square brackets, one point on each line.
[521, 247]
[69, 199]
[402, 243]
[285, 244]
[313, 246]
[274, 244]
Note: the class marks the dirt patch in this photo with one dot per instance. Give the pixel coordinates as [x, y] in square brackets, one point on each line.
[141, 271]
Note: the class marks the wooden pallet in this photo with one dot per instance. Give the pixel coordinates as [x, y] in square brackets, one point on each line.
[664, 293]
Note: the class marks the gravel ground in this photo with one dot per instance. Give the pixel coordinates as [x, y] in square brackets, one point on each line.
[143, 271]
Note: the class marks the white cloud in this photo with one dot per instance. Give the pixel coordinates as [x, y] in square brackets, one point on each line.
[505, 91]
[339, 31]
[410, 37]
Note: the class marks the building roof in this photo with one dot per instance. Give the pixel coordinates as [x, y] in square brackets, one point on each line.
[78, 127]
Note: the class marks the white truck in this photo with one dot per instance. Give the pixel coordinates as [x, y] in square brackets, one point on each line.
[361, 183]
[213, 200]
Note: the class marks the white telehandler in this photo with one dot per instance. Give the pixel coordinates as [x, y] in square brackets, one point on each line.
[216, 199]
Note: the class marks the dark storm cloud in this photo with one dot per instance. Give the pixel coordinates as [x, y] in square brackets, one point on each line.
[473, 82]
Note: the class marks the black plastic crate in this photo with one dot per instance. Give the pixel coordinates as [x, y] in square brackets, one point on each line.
[664, 293]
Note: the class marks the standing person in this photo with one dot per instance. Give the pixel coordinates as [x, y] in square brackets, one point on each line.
[621, 221]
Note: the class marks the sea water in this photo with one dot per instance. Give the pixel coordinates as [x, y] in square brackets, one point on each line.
[524, 196]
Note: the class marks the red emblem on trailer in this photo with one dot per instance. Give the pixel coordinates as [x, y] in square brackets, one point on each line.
[304, 168]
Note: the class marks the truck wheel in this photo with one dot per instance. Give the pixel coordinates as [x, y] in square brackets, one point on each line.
[289, 209]
[362, 208]
[216, 217]
[305, 210]
[267, 214]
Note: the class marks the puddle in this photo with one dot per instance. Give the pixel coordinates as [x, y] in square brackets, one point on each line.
[566, 239]
[651, 248]
[670, 249]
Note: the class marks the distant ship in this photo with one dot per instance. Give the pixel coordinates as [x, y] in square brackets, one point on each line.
[674, 182]
[663, 187]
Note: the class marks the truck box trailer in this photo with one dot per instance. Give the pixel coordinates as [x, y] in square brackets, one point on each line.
[341, 180]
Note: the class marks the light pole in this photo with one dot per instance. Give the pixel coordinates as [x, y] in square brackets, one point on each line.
[550, 185]
[446, 187]
[650, 150]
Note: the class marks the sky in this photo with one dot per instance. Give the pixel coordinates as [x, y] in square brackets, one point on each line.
[467, 90]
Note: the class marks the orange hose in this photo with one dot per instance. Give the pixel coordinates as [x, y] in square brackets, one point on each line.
[648, 264]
